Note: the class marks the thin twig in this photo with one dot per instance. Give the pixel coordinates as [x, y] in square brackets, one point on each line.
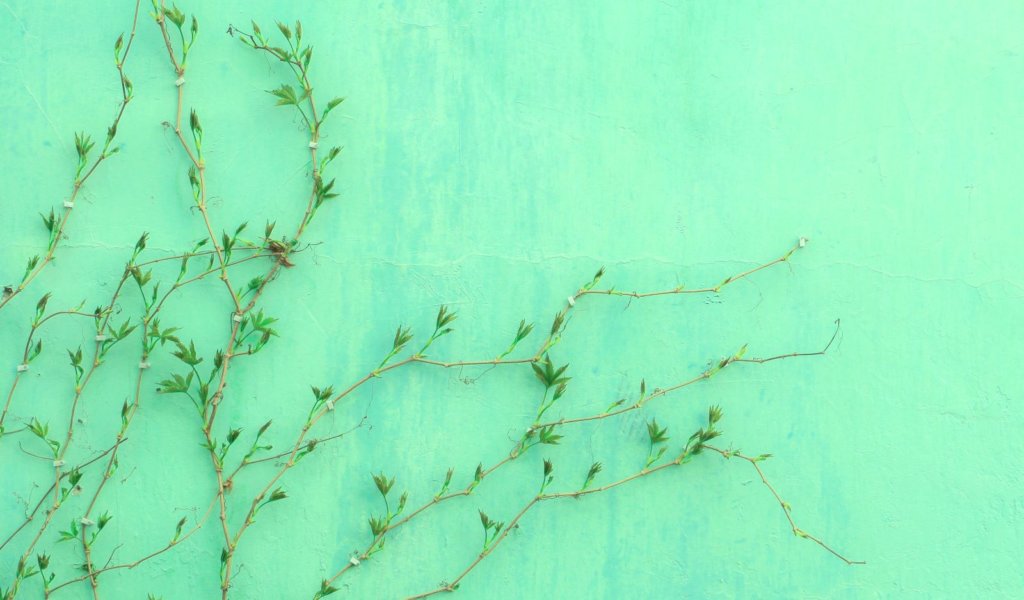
[786, 508]
[61, 226]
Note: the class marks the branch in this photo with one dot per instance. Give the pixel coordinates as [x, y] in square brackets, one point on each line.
[58, 228]
[518, 449]
[786, 508]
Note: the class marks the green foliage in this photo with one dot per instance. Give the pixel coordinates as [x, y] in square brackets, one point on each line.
[492, 529]
[657, 436]
[548, 374]
[235, 265]
[591, 474]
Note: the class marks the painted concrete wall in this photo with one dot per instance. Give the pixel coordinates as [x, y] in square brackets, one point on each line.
[497, 154]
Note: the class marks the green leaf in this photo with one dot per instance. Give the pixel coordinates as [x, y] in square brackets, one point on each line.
[539, 372]
[383, 483]
[591, 474]
[548, 436]
[334, 103]
[444, 317]
[377, 525]
[174, 15]
[187, 354]
[714, 414]
[41, 305]
[524, 330]
[556, 325]
[325, 589]
[285, 95]
[656, 434]
[123, 331]
[71, 533]
[49, 221]
[177, 384]
[83, 144]
[36, 349]
[38, 429]
[194, 123]
[548, 374]
[177, 529]
[402, 337]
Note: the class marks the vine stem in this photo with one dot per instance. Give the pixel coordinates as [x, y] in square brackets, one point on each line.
[196, 160]
[301, 439]
[548, 342]
[703, 376]
[209, 413]
[210, 410]
[702, 290]
[452, 585]
[91, 572]
[682, 459]
[560, 318]
[80, 389]
[59, 455]
[209, 416]
[131, 565]
[517, 451]
[61, 226]
[24, 357]
[46, 494]
[786, 508]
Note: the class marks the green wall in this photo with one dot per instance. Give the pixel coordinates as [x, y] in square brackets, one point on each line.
[496, 154]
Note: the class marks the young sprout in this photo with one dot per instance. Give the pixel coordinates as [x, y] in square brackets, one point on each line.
[591, 474]
[492, 529]
[657, 436]
[547, 478]
[403, 335]
[523, 331]
[441, 328]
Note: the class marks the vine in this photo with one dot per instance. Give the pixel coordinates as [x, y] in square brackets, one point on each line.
[246, 267]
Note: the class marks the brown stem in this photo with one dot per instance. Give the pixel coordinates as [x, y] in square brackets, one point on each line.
[703, 290]
[107, 312]
[705, 375]
[197, 162]
[91, 572]
[131, 565]
[786, 508]
[24, 357]
[42, 499]
[452, 585]
[77, 186]
[217, 396]
[516, 450]
[683, 458]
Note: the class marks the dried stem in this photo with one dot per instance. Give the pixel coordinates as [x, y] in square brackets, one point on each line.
[786, 508]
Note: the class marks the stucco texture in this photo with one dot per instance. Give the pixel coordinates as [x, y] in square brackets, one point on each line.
[496, 154]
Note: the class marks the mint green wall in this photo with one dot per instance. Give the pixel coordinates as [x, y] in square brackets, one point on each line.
[498, 153]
